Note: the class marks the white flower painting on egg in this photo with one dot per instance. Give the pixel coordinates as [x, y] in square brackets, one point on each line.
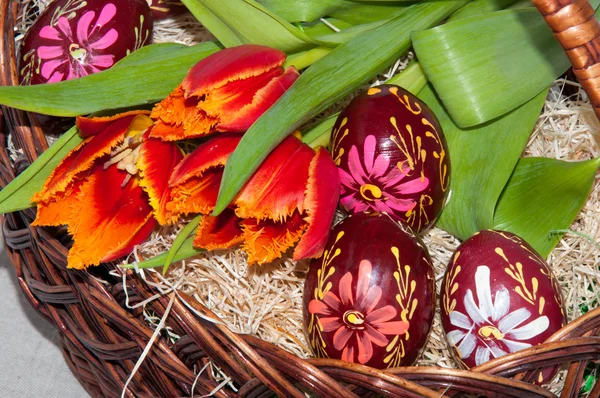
[488, 330]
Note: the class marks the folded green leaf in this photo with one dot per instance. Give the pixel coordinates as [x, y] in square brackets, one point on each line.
[17, 195]
[146, 76]
[482, 160]
[179, 242]
[325, 82]
[237, 22]
[544, 195]
[486, 65]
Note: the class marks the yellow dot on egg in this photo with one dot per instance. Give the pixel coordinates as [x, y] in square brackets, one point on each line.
[373, 91]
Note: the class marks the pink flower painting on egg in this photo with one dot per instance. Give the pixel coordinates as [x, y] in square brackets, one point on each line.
[376, 187]
[357, 315]
[83, 57]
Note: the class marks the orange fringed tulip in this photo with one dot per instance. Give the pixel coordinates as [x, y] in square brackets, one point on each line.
[224, 92]
[290, 200]
[110, 190]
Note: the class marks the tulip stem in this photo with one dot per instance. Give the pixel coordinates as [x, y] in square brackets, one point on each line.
[305, 59]
[412, 78]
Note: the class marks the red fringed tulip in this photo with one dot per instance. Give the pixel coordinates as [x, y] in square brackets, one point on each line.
[290, 200]
[224, 92]
[111, 190]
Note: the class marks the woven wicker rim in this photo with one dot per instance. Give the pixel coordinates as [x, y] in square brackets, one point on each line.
[102, 340]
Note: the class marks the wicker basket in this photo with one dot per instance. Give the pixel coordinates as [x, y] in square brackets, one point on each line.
[102, 339]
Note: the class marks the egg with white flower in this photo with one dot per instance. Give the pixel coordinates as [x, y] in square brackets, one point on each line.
[498, 297]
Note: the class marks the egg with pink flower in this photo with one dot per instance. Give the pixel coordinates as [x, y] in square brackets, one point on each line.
[370, 299]
[392, 157]
[75, 38]
[498, 297]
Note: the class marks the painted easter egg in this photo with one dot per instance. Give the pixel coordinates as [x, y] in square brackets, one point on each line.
[75, 38]
[392, 157]
[498, 296]
[370, 298]
[162, 9]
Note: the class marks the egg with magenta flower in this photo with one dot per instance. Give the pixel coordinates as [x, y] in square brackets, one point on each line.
[75, 38]
[370, 299]
[392, 157]
[498, 297]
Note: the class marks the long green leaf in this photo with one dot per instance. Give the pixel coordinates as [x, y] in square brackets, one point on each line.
[544, 195]
[487, 65]
[482, 160]
[348, 10]
[325, 82]
[236, 22]
[412, 79]
[179, 242]
[17, 195]
[186, 250]
[146, 76]
[479, 7]
[303, 10]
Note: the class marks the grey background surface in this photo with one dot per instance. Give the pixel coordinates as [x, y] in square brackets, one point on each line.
[31, 362]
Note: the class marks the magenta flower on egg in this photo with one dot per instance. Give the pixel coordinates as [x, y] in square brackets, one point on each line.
[357, 319]
[83, 54]
[376, 186]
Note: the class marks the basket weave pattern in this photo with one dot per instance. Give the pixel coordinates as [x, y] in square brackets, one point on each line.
[102, 339]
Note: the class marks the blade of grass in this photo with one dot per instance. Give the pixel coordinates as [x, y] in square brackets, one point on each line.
[179, 242]
[17, 195]
[237, 22]
[325, 82]
[482, 160]
[146, 76]
[544, 195]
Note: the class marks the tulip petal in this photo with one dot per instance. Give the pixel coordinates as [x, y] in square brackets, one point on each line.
[83, 157]
[322, 194]
[57, 210]
[178, 118]
[231, 64]
[156, 161]
[90, 126]
[220, 232]
[267, 240]
[277, 189]
[195, 181]
[263, 99]
[108, 220]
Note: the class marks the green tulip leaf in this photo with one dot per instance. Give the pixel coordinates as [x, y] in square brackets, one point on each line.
[186, 250]
[144, 77]
[328, 80]
[237, 22]
[482, 160]
[17, 195]
[180, 241]
[544, 195]
[486, 65]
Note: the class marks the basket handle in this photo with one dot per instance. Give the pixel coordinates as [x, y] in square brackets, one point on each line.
[574, 24]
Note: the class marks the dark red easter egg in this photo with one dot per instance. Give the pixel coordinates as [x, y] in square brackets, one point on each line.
[370, 298]
[162, 9]
[392, 157]
[75, 38]
[498, 296]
